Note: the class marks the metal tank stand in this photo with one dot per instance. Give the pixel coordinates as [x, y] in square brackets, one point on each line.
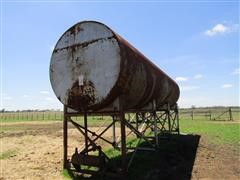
[149, 125]
[168, 119]
[146, 125]
[87, 156]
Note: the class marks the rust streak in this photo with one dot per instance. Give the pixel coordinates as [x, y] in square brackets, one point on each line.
[85, 44]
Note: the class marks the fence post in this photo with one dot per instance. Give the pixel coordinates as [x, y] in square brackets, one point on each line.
[230, 114]
[210, 115]
[192, 113]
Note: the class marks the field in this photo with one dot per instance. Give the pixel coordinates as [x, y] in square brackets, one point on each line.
[31, 147]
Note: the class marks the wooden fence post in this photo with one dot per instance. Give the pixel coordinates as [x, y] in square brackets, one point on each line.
[192, 114]
[230, 114]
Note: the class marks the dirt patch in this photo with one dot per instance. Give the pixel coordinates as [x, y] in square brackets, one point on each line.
[216, 161]
[38, 153]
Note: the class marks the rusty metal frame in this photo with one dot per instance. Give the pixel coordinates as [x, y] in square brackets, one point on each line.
[158, 120]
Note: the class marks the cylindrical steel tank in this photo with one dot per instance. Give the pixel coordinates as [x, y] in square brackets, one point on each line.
[91, 66]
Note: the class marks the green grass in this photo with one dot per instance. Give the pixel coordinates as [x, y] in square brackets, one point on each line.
[66, 174]
[8, 154]
[111, 153]
[8, 128]
[216, 132]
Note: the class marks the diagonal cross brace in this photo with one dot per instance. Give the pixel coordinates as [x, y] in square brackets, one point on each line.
[80, 127]
[137, 132]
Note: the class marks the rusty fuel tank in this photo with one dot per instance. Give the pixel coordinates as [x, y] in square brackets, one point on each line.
[92, 65]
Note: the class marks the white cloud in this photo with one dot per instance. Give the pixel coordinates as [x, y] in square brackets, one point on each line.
[188, 88]
[198, 76]
[226, 86]
[181, 79]
[25, 96]
[221, 29]
[217, 29]
[44, 92]
[236, 71]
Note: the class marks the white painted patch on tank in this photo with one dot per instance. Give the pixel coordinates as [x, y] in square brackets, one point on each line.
[60, 74]
[98, 62]
[81, 80]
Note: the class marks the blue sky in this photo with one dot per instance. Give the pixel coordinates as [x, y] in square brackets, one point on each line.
[196, 43]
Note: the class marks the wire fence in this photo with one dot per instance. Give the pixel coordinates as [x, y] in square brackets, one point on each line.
[31, 116]
[228, 114]
[217, 114]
